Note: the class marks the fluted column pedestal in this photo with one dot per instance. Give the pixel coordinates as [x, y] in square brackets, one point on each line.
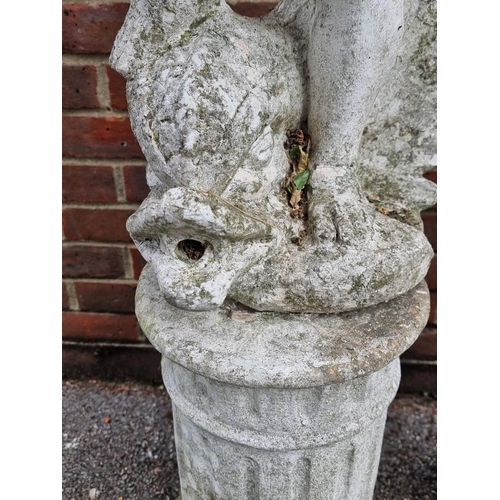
[313, 443]
[280, 406]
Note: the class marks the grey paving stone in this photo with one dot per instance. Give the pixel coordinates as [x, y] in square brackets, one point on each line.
[118, 442]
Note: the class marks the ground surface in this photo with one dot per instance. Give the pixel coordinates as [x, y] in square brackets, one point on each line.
[118, 443]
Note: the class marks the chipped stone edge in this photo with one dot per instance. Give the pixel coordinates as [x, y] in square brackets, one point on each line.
[281, 350]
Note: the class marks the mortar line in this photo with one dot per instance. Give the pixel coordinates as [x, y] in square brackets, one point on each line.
[105, 281]
[128, 263]
[102, 206]
[405, 361]
[102, 161]
[103, 93]
[106, 344]
[142, 335]
[119, 184]
[90, 243]
[94, 2]
[83, 59]
[96, 113]
[72, 297]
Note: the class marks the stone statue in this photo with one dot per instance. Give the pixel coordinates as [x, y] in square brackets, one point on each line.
[285, 269]
[211, 97]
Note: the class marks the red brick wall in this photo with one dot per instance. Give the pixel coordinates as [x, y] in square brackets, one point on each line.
[103, 183]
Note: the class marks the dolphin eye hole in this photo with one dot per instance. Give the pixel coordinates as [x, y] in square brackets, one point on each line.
[190, 249]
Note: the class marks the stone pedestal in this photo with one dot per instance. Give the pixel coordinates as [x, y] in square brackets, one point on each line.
[274, 406]
[251, 443]
[251, 129]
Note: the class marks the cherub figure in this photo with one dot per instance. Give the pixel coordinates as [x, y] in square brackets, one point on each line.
[211, 97]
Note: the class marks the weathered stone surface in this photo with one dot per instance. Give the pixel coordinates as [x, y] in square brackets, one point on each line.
[251, 348]
[399, 141]
[316, 443]
[211, 96]
[280, 329]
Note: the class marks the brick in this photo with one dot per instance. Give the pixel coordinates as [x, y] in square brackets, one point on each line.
[431, 277]
[117, 89]
[100, 327]
[98, 224]
[431, 176]
[99, 137]
[138, 262]
[117, 362]
[425, 348]
[433, 314]
[65, 297]
[92, 262]
[85, 183]
[89, 29]
[430, 227]
[79, 87]
[136, 187]
[418, 378]
[106, 297]
[250, 9]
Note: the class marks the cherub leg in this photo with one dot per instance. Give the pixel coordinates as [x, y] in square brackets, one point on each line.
[352, 49]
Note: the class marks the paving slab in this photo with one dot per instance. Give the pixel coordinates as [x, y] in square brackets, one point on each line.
[118, 443]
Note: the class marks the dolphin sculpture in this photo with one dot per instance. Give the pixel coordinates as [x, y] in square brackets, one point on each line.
[211, 97]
